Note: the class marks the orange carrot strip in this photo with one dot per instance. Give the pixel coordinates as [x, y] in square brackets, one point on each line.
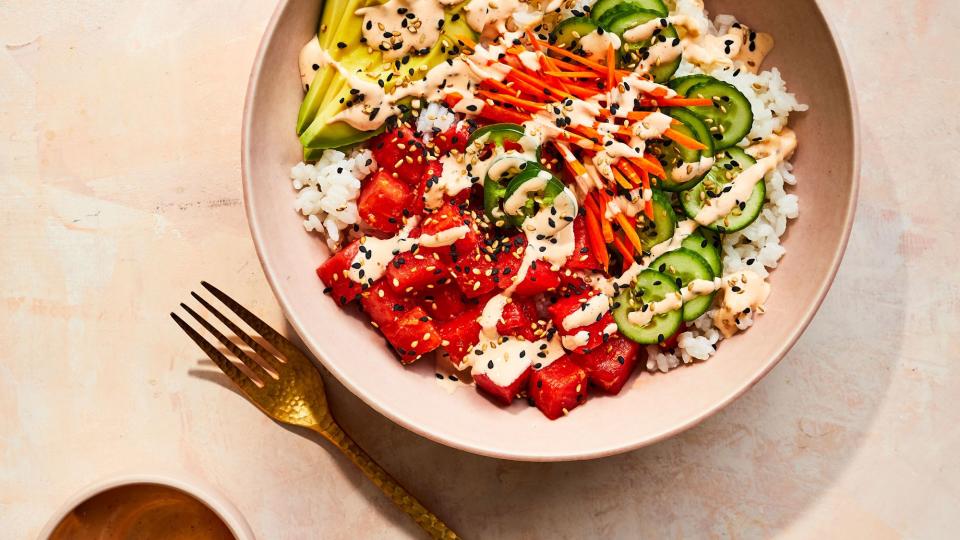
[528, 88]
[545, 60]
[580, 60]
[676, 102]
[611, 67]
[571, 74]
[531, 106]
[656, 166]
[536, 83]
[621, 179]
[630, 231]
[604, 222]
[624, 168]
[581, 91]
[625, 251]
[596, 238]
[681, 139]
[497, 85]
[638, 115]
[649, 164]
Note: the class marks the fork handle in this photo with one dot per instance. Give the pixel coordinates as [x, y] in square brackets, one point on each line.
[382, 479]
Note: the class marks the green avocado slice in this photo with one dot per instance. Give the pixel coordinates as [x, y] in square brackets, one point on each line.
[323, 101]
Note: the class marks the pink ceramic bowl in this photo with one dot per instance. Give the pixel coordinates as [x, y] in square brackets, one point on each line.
[650, 408]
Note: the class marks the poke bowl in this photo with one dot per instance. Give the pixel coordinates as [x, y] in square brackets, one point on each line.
[549, 231]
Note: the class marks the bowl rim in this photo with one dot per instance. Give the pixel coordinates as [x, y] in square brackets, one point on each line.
[399, 418]
[189, 484]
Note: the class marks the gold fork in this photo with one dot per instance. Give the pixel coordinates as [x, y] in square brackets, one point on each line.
[288, 388]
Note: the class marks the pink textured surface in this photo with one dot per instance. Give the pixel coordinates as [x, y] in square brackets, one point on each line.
[119, 187]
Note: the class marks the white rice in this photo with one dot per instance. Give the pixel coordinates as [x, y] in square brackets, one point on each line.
[435, 118]
[327, 192]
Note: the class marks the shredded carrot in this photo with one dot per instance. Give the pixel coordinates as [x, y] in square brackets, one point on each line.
[656, 167]
[624, 168]
[681, 139]
[516, 73]
[596, 238]
[604, 222]
[630, 231]
[621, 179]
[545, 60]
[497, 85]
[599, 68]
[611, 67]
[624, 250]
[676, 102]
[527, 87]
[571, 74]
[638, 115]
[531, 106]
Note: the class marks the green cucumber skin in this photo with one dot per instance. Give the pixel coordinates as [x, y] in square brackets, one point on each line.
[650, 286]
[699, 130]
[681, 85]
[562, 34]
[689, 199]
[737, 123]
[664, 222]
[703, 243]
[687, 265]
[602, 6]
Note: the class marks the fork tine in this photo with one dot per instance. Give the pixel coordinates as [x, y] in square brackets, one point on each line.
[222, 362]
[254, 366]
[266, 355]
[281, 343]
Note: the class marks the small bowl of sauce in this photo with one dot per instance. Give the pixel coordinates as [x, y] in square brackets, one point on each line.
[148, 508]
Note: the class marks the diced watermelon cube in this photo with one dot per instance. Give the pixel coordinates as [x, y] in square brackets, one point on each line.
[474, 273]
[382, 202]
[460, 334]
[502, 394]
[540, 278]
[609, 366]
[445, 302]
[566, 305]
[413, 272]
[454, 138]
[400, 154]
[558, 388]
[406, 325]
[333, 273]
[519, 318]
[449, 216]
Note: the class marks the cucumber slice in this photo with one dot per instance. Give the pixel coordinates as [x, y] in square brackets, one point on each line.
[706, 244]
[617, 12]
[684, 266]
[730, 163]
[730, 117]
[567, 34]
[680, 85]
[650, 286]
[602, 6]
[673, 155]
[621, 19]
[663, 224]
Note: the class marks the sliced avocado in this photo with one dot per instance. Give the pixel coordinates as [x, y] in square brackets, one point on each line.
[314, 124]
[320, 88]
